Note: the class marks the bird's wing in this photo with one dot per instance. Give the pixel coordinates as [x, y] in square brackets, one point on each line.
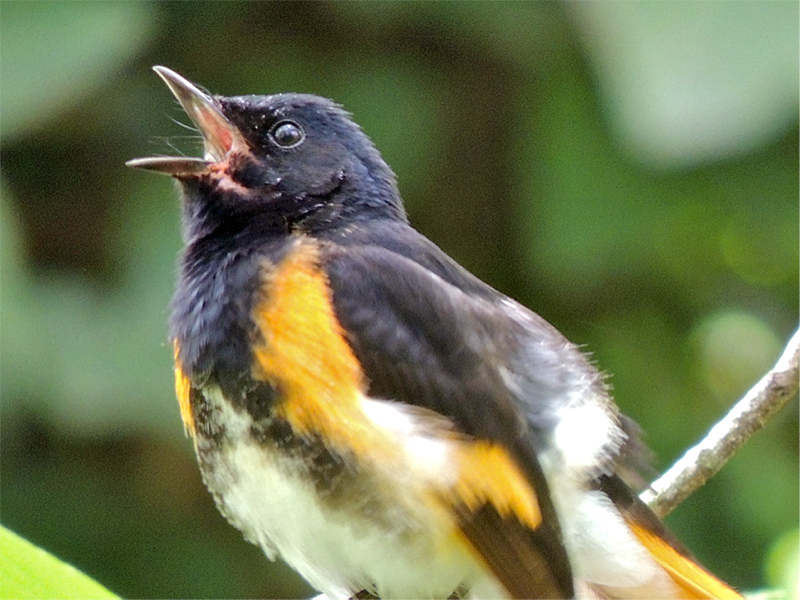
[528, 398]
[424, 342]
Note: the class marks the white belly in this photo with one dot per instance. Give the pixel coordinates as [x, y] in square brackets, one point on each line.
[394, 549]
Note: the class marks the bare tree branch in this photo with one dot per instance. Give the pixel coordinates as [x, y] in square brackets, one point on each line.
[749, 415]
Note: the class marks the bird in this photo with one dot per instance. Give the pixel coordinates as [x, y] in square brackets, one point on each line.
[365, 408]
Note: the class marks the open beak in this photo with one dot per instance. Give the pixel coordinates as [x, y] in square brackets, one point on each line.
[219, 136]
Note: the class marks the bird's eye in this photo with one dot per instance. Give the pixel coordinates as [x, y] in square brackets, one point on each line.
[287, 134]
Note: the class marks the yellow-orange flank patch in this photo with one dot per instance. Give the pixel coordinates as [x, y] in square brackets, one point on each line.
[183, 390]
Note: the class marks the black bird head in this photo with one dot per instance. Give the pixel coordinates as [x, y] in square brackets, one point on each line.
[291, 160]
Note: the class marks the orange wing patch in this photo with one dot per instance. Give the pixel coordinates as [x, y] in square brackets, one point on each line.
[693, 579]
[500, 520]
[183, 390]
[304, 355]
[489, 474]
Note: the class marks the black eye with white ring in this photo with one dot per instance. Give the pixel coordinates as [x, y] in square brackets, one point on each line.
[287, 134]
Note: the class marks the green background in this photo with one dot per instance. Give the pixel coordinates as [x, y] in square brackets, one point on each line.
[627, 170]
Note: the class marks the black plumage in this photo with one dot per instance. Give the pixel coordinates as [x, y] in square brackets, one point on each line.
[293, 199]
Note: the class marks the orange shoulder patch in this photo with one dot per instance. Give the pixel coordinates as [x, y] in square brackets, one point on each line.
[304, 354]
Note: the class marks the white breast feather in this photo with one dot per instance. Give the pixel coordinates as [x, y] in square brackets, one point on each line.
[336, 553]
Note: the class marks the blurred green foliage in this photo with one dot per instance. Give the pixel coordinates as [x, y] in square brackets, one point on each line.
[636, 187]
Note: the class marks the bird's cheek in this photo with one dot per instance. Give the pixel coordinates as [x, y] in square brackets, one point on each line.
[321, 177]
[254, 175]
[326, 185]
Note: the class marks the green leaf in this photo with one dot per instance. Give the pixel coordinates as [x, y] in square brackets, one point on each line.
[30, 572]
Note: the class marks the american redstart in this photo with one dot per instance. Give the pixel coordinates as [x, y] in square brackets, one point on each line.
[367, 409]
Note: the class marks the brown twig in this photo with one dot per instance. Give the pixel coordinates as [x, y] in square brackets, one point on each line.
[749, 415]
